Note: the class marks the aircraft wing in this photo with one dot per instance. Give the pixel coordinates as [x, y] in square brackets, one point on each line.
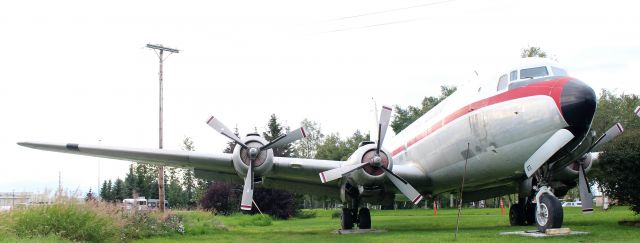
[294, 170]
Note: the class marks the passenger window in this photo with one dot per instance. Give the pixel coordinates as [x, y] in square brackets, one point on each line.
[558, 71]
[502, 82]
[513, 75]
[533, 72]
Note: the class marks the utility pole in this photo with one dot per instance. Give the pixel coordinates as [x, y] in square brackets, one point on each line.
[159, 49]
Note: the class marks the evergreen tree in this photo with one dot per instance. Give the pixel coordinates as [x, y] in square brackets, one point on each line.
[118, 191]
[188, 179]
[104, 191]
[109, 193]
[130, 182]
[231, 144]
[532, 51]
[275, 130]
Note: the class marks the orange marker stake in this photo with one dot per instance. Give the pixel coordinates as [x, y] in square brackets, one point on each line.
[502, 206]
[435, 208]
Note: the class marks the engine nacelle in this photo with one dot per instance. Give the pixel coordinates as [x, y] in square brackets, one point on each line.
[571, 171]
[263, 163]
[369, 175]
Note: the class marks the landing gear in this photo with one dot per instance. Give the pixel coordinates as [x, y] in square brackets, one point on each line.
[516, 215]
[522, 213]
[350, 217]
[549, 212]
[347, 218]
[364, 219]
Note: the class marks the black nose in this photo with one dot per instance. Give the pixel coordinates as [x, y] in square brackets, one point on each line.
[578, 104]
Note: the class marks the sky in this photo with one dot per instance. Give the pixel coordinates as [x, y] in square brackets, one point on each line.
[78, 71]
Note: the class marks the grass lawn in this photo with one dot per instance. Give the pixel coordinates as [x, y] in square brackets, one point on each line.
[476, 225]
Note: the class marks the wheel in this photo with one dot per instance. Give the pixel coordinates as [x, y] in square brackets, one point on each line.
[346, 221]
[364, 218]
[516, 215]
[549, 215]
[530, 213]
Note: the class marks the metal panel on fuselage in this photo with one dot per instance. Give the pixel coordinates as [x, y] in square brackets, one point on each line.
[501, 137]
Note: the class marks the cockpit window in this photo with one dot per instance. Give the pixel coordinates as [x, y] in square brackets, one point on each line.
[502, 82]
[533, 72]
[513, 75]
[558, 71]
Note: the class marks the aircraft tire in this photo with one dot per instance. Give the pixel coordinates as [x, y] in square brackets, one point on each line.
[551, 214]
[516, 215]
[530, 213]
[364, 218]
[346, 219]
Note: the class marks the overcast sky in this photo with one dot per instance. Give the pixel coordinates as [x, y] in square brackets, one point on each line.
[77, 71]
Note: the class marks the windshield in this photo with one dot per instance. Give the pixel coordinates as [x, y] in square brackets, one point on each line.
[533, 72]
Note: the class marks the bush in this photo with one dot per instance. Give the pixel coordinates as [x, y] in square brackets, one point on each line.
[255, 220]
[66, 220]
[221, 198]
[90, 222]
[336, 215]
[277, 203]
[306, 214]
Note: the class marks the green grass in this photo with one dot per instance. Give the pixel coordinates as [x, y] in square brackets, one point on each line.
[476, 225]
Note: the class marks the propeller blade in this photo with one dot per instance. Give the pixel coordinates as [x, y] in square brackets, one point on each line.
[585, 191]
[385, 117]
[286, 139]
[247, 190]
[337, 173]
[637, 111]
[224, 130]
[610, 134]
[404, 186]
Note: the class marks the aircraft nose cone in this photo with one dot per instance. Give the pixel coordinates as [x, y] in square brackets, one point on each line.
[578, 104]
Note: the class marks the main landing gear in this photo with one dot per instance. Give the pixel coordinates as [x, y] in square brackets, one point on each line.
[546, 214]
[352, 216]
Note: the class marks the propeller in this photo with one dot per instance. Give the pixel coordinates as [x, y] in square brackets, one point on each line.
[254, 152]
[583, 181]
[376, 162]
[637, 111]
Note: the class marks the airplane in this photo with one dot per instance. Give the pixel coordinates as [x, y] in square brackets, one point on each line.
[526, 132]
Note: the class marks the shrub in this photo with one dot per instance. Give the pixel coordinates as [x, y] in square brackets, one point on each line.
[221, 198]
[336, 215]
[255, 220]
[66, 220]
[306, 214]
[277, 203]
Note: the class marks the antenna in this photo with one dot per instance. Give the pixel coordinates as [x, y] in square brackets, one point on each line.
[461, 191]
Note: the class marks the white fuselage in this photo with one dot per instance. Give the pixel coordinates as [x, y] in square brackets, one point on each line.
[502, 129]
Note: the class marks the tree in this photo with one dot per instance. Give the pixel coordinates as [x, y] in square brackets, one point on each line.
[118, 192]
[175, 194]
[334, 148]
[89, 196]
[532, 51]
[188, 178]
[405, 116]
[308, 147]
[277, 203]
[620, 162]
[231, 144]
[104, 191]
[275, 130]
[613, 108]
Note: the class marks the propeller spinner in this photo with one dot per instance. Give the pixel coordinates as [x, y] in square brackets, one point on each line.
[377, 161]
[254, 151]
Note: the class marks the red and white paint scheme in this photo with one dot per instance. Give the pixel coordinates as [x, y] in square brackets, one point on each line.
[526, 131]
[637, 111]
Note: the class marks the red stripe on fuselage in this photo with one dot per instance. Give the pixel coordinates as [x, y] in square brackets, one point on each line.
[551, 88]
